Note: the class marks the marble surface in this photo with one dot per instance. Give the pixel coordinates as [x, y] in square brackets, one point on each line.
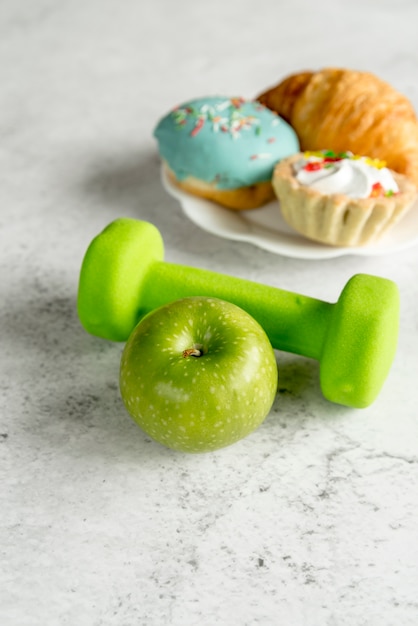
[310, 521]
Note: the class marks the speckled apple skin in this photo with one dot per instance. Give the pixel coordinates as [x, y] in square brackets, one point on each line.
[198, 404]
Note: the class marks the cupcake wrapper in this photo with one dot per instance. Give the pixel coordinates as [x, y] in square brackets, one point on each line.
[336, 219]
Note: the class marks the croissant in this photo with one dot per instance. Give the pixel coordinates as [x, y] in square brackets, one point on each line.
[340, 110]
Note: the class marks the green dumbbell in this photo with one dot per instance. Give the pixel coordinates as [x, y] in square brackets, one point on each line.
[124, 276]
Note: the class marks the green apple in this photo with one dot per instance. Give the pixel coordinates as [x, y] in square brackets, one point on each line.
[198, 374]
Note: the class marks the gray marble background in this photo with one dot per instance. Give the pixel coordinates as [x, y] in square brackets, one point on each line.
[310, 521]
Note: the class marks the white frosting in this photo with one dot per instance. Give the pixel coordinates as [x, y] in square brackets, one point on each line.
[352, 177]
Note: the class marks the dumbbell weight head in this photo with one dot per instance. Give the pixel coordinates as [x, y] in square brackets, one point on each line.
[361, 341]
[112, 276]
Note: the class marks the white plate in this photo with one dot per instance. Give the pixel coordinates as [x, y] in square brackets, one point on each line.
[266, 229]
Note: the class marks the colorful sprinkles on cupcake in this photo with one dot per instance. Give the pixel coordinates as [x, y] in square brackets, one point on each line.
[320, 163]
[328, 157]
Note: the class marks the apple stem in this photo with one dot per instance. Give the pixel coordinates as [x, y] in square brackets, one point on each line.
[197, 350]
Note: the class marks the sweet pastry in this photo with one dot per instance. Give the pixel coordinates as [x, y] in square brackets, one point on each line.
[224, 149]
[349, 110]
[341, 199]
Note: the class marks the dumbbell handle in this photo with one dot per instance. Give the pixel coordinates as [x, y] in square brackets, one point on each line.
[293, 323]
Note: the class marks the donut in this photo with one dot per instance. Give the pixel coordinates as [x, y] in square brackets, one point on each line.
[224, 149]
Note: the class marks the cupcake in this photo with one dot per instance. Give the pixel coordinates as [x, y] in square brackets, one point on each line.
[224, 149]
[341, 199]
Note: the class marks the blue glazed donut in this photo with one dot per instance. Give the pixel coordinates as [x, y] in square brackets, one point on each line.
[225, 149]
